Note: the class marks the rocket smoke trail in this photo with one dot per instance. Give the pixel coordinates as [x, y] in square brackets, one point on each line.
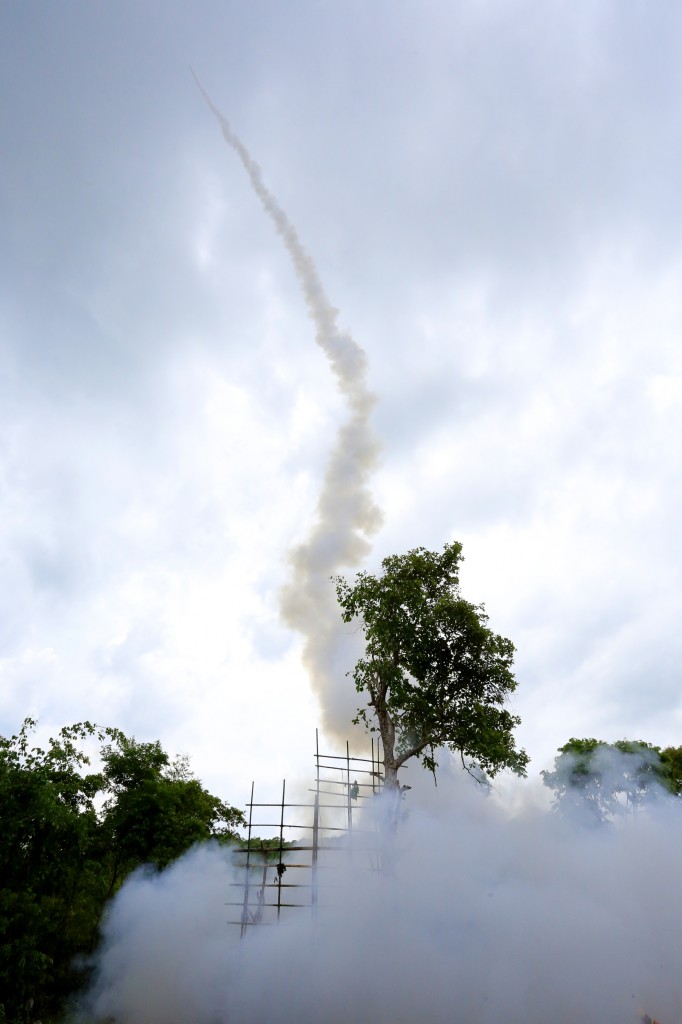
[346, 513]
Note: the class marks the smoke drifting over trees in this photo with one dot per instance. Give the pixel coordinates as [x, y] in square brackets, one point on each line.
[604, 780]
[346, 513]
[483, 918]
[70, 837]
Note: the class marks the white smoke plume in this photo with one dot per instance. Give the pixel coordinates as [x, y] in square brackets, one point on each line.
[346, 513]
[484, 918]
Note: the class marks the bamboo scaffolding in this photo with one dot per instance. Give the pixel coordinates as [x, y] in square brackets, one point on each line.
[341, 796]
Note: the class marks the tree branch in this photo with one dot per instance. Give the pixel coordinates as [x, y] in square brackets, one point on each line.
[430, 741]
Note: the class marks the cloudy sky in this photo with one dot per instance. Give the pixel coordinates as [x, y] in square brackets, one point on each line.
[491, 194]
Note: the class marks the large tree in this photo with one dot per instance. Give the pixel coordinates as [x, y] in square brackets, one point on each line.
[434, 673]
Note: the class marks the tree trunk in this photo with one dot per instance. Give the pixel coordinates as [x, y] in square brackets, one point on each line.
[390, 773]
[387, 732]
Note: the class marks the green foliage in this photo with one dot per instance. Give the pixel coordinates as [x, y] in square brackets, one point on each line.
[265, 849]
[69, 839]
[49, 822]
[155, 812]
[672, 759]
[600, 781]
[435, 674]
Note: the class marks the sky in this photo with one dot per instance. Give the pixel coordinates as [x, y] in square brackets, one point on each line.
[490, 194]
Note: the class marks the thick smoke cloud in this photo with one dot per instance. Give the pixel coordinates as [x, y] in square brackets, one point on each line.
[346, 513]
[475, 916]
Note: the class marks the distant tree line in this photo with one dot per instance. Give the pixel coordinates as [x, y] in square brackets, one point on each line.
[70, 837]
